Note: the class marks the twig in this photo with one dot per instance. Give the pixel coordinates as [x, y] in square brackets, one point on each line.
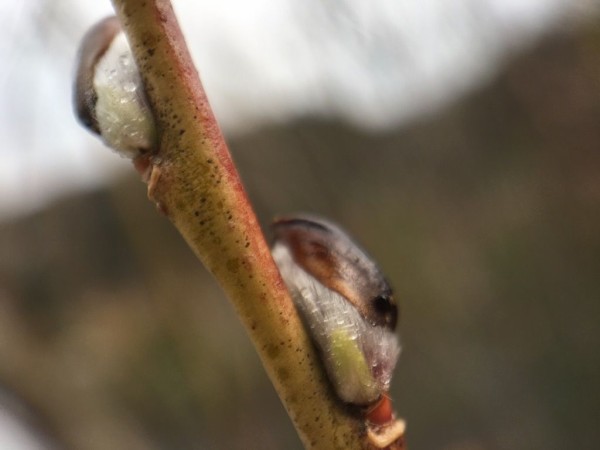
[195, 183]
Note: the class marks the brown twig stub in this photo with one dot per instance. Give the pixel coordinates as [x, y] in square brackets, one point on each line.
[388, 437]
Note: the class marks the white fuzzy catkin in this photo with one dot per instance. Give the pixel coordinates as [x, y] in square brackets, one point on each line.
[124, 118]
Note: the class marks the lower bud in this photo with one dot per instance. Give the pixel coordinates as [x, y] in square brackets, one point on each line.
[355, 337]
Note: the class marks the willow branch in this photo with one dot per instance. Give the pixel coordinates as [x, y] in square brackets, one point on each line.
[196, 184]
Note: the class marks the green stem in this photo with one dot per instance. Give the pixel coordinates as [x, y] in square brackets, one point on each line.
[196, 184]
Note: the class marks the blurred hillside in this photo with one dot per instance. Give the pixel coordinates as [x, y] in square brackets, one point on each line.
[484, 216]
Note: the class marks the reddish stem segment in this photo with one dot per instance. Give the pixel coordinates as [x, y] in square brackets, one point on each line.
[382, 412]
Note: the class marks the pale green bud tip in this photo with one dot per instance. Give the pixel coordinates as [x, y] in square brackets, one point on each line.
[353, 374]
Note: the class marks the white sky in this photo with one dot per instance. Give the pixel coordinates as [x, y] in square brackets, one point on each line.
[375, 63]
[13, 436]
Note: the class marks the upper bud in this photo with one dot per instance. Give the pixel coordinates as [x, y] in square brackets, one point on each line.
[109, 95]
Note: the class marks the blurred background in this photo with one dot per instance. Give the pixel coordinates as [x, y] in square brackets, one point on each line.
[457, 141]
